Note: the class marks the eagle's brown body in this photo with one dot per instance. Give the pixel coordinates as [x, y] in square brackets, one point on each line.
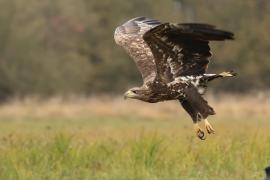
[172, 59]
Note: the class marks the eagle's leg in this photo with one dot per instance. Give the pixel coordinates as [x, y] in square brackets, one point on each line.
[194, 115]
[199, 132]
[208, 127]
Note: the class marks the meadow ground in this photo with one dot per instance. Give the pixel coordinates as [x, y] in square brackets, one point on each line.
[109, 138]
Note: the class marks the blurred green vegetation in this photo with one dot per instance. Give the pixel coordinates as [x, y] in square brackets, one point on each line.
[86, 139]
[64, 46]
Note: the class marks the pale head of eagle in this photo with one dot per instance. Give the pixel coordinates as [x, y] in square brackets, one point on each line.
[141, 93]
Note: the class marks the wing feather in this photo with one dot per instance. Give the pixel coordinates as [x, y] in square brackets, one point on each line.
[129, 36]
[168, 50]
[185, 47]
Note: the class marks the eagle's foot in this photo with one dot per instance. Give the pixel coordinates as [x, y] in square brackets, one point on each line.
[209, 127]
[199, 132]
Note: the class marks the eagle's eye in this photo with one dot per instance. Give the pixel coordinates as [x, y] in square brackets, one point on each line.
[135, 91]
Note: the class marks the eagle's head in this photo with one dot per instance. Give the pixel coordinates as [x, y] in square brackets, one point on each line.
[140, 93]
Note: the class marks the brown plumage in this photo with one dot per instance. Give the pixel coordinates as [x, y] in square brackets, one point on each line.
[173, 60]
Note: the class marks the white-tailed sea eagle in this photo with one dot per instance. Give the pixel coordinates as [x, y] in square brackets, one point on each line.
[172, 59]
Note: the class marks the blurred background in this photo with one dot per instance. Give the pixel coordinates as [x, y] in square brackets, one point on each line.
[58, 47]
[62, 75]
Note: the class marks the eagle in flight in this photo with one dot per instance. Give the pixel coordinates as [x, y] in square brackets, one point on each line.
[173, 59]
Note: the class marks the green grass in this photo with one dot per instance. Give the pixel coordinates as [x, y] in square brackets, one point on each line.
[40, 141]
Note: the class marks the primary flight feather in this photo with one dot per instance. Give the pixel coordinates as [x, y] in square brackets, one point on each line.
[172, 59]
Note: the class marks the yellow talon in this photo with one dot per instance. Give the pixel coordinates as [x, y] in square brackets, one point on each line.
[209, 127]
[199, 132]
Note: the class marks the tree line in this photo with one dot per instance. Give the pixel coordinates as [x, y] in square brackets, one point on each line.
[53, 47]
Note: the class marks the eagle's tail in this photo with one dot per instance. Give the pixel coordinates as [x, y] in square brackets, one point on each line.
[210, 77]
[195, 105]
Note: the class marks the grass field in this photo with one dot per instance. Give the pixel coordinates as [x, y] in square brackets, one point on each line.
[109, 138]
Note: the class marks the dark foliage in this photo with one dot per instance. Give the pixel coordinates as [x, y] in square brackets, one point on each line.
[62, 46]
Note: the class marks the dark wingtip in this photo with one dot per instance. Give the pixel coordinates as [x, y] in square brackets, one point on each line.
[231, 36]
[227, 35]
[139, 18]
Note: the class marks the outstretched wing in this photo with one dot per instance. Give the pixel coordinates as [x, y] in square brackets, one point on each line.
[129, 36]
[184, 47]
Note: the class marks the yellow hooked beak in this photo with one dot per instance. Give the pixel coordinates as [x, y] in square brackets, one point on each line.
[130, 94]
